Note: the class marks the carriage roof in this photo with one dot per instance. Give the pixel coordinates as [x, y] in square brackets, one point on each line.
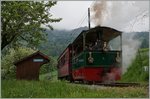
[91, 35]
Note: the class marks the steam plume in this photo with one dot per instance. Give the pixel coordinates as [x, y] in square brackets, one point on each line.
[130, 48]
[99, 10]
[119, 14]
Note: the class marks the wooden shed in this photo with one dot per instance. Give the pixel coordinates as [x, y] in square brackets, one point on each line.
[28, 68]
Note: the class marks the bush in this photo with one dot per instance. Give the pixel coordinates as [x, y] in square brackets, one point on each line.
[7, 66]
[49, 67]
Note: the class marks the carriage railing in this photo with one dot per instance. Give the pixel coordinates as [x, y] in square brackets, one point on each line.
[100, 59]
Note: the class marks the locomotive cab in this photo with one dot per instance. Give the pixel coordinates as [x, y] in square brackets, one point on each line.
[97, 55]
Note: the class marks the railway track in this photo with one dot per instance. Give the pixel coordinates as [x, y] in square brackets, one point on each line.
[119, 84]
[114, 84]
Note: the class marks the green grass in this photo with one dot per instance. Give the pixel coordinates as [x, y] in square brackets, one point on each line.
[135, 72]
[62, 89]
[49, 76]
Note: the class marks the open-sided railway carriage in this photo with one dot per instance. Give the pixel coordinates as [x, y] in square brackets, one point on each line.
[94, 56]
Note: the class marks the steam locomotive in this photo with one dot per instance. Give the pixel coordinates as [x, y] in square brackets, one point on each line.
[94, 56]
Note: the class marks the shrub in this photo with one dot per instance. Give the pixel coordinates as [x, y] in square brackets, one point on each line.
[7, 66]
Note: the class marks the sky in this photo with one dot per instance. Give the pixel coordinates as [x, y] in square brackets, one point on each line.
[121, 15]
[71, 12]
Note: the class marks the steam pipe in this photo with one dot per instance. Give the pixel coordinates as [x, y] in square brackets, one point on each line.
[121, 51]
[89, 18]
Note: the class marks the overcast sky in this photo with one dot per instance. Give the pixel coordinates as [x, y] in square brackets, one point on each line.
[119, 14]
[72, 12]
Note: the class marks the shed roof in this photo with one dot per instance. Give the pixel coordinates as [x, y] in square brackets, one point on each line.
[36, 53]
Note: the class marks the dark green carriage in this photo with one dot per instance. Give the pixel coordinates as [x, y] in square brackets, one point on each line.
[101, 58]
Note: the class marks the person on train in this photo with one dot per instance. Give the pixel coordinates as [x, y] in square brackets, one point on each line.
[95, 47]
[90, 47]
[106, 47]
[98, 45]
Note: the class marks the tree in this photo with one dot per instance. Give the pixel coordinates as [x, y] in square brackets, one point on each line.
[49, 67]
[22, 20]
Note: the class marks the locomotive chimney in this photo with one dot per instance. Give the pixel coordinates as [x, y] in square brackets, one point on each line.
[89, 18]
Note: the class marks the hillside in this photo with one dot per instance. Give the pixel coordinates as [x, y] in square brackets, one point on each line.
[58, 40]
[143, 37]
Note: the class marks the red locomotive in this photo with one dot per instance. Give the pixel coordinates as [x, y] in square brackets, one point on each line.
[94, 56]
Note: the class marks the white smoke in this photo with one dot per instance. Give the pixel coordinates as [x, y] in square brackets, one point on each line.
[119, 14]
[130, 47]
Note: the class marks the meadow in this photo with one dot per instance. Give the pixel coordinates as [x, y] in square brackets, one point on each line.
[49, 87]
[63, 89]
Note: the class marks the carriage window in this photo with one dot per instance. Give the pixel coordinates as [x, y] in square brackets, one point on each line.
[115, 44]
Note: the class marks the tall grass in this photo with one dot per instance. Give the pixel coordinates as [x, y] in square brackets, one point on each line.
[62, 89]
[49, 76]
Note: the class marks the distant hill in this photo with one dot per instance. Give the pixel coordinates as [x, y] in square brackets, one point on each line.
[58, 40]
[143, 37]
